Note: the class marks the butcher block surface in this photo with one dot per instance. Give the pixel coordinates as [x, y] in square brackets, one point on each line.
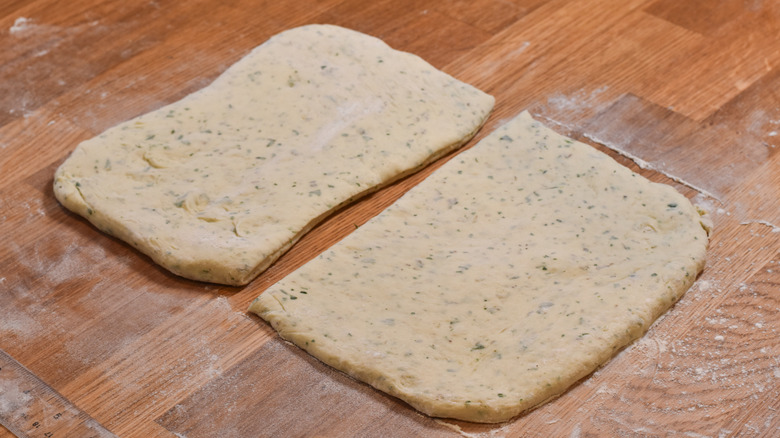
[683, 92]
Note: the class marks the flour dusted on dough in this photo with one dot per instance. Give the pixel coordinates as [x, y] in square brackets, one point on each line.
[510, 273]
[216, 186]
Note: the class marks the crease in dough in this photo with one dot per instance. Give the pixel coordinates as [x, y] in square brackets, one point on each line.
[215, 187]
[509, 274]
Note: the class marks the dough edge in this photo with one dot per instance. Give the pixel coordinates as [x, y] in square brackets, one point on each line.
[498, 410]
[68, 193]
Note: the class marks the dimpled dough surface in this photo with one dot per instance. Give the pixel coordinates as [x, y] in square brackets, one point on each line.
[510, 273]
[216, 186]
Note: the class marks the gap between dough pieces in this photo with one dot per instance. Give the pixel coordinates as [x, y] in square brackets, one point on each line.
[512, 272]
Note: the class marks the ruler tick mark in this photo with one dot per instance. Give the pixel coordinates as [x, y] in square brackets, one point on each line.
[31, 408]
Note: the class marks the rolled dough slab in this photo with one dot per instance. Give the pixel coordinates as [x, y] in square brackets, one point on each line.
[216, 186]
[512, 272]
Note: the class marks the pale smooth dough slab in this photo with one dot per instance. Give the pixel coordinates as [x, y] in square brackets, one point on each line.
[216, 186]
[509, 274]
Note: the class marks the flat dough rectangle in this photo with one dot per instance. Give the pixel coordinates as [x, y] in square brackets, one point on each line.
[216, 186]
[510, 273]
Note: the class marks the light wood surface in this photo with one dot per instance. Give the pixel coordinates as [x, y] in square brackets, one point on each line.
[689, 88]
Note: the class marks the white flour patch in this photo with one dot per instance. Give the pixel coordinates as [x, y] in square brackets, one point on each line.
[756, 123]
[221, 303]
[75, 262]
[704, 285]
[775, 228]
[34, 208]
[14, 398]
[708, 204]
[578, 103]
[20, 324]
[21, 25]
[26, 318]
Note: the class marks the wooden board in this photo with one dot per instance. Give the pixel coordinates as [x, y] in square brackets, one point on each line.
[690, 89]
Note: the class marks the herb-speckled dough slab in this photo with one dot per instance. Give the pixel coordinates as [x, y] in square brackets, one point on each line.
[509, 274]
[218, 185]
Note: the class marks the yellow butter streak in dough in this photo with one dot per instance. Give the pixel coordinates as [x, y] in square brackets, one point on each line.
[510, 273]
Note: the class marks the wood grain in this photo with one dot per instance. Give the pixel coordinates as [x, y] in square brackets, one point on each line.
[690, 89]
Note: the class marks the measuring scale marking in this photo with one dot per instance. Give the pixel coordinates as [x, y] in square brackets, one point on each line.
[31, 408]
